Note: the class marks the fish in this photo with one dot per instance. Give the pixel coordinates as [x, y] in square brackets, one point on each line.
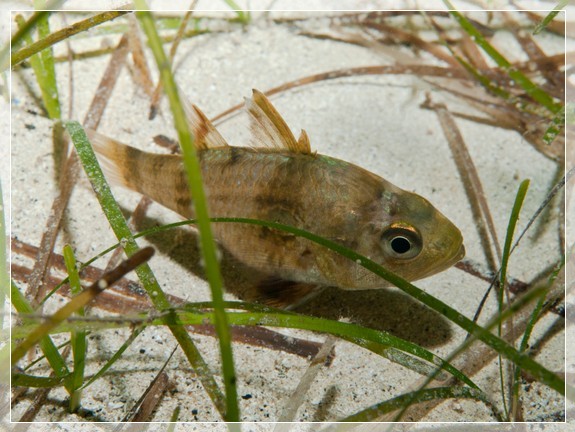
[279, 178]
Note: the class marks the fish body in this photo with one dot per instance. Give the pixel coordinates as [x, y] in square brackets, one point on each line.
[287, 183]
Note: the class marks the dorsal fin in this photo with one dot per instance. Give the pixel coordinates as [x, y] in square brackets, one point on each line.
[270, 129]
[205, 133]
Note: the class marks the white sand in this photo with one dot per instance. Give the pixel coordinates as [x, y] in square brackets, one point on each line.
[374, 121]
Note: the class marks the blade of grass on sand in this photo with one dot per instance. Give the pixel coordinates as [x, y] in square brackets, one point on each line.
[135, 333]
[525, 343]
[22, 32]
[519, 198]
[438, 393]
[243, 16]
[60, 35]
[207, 244]
[550, 16]
[46, 345]
[46, 76]
[77, 338]
[529, 86]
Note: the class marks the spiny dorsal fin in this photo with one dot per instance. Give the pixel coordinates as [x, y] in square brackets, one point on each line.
[270, 129]
[205, 133]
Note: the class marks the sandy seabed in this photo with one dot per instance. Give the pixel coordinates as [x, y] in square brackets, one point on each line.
[373, 121]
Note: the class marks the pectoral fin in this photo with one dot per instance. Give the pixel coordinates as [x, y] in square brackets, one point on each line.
[285, 294]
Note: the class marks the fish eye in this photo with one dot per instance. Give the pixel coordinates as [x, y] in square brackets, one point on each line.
[401, 241]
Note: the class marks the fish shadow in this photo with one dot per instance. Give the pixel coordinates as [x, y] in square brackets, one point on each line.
[387, 309]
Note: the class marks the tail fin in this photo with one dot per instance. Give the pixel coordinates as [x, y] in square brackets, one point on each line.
[158, 176]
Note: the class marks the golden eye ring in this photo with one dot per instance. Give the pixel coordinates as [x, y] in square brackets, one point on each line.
[401, 241]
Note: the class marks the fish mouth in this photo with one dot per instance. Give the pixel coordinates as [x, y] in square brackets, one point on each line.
[460, 254]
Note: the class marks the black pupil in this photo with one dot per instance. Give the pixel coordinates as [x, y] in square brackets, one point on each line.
[400, 245]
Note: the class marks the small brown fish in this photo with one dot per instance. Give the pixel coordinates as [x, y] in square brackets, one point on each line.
[280, 179]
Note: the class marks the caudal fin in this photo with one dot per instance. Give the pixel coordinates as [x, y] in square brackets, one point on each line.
[158, 176]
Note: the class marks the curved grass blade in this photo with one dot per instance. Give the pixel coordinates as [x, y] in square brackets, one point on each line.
[535, 315]
[519, 198]
[50, 351]
[555, 126]
[522, 360]
[442, 393]
[77, 337]
[124, 235]
[43, 65]
[58, 36]
[529, 86]
[207, 244]
[24, 380]
[243, 17]
[550, 16]
[135, 333]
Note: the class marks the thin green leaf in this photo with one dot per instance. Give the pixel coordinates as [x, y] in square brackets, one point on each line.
[555, 126]
[60, 35]
[519, 198]
[46, 74]
[135, 333]
[538, 371]
[46, 345]
[438, 393]
[207, 244]
[174, 419]
[529, 86]
[244, 17]
[122, 231]
[550, 16]
[77, 337]
[23, 31]
[527, 335]
[24, 380]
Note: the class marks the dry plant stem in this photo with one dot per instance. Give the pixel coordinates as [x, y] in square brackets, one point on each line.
[291, 406]
[471, 183]
[151, 397]
[142, 76]
[36, 286]
[475, 359]
[60, 35]
[412, 69]
[107, 84]
[400, 36]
